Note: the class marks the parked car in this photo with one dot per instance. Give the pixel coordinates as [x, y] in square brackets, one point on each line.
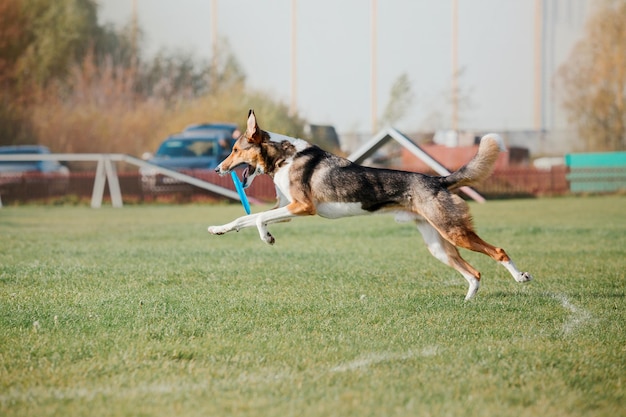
[51, 176]
[198, 147]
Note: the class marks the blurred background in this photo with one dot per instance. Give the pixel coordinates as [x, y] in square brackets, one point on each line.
[121, 75]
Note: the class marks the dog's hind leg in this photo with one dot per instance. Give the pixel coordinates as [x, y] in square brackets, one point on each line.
[449, 255]
[456, 227]
[468, 239]
[465, 237]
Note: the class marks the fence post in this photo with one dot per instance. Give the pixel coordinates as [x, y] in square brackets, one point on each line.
[105, 171]
[98, 185]
[114, 183]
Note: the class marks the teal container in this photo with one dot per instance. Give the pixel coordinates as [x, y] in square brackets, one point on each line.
[596, 172]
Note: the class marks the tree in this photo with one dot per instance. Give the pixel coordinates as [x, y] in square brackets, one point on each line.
[40, 41]
[176, 76]
[593, 79]
[59, 34]
[14, 123]
[76, 86]
[13, 38]
[400, 100]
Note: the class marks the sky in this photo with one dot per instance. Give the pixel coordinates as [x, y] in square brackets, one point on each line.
[496, 54]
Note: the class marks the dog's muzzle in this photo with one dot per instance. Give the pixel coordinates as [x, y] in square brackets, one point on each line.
[247, 175]
[221, 171]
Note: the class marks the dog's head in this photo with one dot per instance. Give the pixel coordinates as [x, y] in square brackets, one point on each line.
[247, 151]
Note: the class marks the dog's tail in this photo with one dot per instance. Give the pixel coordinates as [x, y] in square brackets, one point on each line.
[480, 167]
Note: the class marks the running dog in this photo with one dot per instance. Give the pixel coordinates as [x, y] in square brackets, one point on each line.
[312, 181]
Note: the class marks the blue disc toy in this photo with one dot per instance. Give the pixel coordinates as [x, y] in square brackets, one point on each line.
[242, 194]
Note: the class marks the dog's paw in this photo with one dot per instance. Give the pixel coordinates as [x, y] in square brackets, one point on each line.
[217, 230]
[474, 284]
[268, 238]
[524, 277]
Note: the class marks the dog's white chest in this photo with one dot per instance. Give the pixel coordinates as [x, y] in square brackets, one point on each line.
[281, 180]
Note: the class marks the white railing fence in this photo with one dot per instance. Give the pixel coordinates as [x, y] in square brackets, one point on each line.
[106, 171]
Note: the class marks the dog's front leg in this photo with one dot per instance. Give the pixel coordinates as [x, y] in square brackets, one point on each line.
[237, 224]
[273, 216]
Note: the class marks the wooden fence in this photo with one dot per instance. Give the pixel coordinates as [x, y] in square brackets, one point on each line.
[506, 183]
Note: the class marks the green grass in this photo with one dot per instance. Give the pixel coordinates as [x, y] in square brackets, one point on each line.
[139, 311]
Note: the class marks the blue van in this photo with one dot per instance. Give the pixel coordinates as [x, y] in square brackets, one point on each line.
[201, 146]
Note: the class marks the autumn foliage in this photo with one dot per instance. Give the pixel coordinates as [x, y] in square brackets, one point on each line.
[75, 86]
[593, 80]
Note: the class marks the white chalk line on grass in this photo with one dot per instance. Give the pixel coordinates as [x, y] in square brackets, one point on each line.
[376, 358]
[40, 394]
[578, 317]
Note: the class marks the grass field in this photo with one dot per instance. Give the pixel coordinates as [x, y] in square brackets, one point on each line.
[140, 312]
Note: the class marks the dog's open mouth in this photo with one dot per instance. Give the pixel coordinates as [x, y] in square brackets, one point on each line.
[246, 173]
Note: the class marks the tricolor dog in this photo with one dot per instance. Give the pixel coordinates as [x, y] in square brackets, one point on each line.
[312, 181]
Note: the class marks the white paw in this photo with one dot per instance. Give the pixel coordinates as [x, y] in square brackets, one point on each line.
[523, 277]
[268, 238]
[217, 230]
[473, 289]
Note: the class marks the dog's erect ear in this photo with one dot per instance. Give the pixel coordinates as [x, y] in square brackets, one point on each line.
[253, 132]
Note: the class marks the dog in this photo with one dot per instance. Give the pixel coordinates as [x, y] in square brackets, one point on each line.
[312, 181]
